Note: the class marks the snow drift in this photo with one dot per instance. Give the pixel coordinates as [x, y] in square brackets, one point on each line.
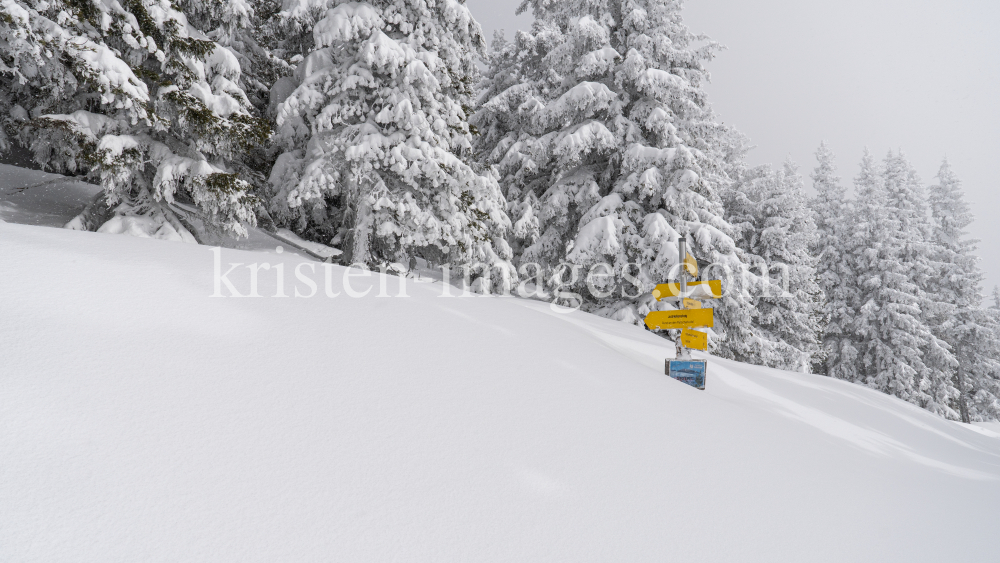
[141, 419]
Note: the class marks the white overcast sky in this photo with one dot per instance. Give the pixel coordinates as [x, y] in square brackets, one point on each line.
[917, 75]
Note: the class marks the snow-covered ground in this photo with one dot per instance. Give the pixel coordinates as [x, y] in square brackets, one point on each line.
[33, 197]
[142, 419]
[39, 198]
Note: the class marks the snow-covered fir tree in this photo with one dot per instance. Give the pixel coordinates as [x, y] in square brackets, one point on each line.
[775, 229]
[970, 330]
[907, 202]
[140, 99]
[252, 32]
[599, 127]
[834, 250]
[888, 327]
[376, 141]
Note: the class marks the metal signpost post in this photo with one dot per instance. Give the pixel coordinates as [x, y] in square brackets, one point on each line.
[682, 353]
[690, 315]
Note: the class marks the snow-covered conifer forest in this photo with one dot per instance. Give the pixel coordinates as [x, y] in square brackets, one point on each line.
[563, 165]
[587, 140]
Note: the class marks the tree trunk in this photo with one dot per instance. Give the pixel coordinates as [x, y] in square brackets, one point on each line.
[962, 406]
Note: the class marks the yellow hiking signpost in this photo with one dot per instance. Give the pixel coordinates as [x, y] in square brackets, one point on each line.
[694, 339]
[666, 290]
[709, 289]
[691, 315]
[669, 320]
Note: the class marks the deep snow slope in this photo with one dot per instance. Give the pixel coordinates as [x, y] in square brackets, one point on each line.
[143, 420]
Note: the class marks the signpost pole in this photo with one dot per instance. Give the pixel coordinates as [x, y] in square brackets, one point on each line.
[682, 352]
[689, 315]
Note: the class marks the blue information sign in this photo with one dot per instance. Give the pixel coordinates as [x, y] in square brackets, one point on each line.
[691, 372]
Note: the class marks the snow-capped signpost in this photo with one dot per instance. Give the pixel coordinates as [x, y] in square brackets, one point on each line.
[691, 315]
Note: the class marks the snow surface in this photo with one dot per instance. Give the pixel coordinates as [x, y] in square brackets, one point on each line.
[145, 227]
[319, 250]
[40, 198]
[142, 420]
[32, 197]
[992, 426]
